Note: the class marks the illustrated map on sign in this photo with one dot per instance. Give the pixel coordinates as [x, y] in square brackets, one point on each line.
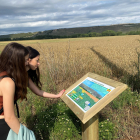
[88, 93]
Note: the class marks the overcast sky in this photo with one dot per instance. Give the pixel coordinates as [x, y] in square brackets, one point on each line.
[18, 16]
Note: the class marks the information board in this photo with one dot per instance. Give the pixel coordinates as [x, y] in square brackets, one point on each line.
[90, 94]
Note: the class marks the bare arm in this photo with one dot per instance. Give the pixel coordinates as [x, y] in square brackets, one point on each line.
[8, 91]
[39, 92]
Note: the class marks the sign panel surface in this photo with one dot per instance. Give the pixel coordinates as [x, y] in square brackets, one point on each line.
[90, 91]
[90, 94]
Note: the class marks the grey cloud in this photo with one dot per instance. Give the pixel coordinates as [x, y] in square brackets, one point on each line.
[76, 13]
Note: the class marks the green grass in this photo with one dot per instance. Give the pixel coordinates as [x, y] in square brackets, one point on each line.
[51, 119]
[127, 98]
[107, 130]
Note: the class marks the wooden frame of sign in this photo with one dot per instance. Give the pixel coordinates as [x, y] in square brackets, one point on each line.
[90, 94]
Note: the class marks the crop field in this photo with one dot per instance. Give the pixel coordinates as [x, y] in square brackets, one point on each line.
[64, 61]
[112, 56]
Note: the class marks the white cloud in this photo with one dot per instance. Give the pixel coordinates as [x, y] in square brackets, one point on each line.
[34, 24]
[22, 16]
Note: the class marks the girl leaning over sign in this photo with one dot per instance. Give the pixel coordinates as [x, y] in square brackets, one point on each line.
[34, 75]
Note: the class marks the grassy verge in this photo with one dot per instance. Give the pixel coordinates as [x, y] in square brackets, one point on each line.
[51, 119]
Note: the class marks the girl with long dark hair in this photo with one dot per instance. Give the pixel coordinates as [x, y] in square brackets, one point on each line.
[13, 85]
[34, 75]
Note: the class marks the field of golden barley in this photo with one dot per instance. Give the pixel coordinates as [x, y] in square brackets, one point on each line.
[66, 58]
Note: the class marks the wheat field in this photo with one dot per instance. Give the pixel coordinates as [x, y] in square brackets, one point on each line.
[68, 58]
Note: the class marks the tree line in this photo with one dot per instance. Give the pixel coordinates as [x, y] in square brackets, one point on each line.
[91, 34]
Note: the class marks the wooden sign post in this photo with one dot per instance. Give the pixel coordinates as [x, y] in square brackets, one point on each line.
[87, 97]
[90, 129]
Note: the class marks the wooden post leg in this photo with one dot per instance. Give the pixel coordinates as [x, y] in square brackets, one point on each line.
[90, 129]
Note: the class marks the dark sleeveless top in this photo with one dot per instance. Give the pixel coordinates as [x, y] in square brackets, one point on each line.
[2, 75]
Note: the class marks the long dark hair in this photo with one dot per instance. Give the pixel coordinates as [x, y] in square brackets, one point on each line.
[34, 74]
[12, 60]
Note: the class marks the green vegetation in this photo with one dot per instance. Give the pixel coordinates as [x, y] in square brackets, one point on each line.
[49, 119]
[107, 130]
[95, 31]
[53, 120]
[91, 34]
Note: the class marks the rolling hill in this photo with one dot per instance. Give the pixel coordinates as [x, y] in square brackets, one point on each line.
[124, 28]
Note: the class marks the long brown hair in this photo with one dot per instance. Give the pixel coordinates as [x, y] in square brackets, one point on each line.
[12, 60]
[34, 74]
